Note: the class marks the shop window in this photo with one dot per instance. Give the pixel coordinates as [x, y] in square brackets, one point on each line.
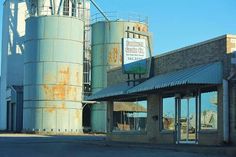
[130, 116]
[168, 113]
[209, 105]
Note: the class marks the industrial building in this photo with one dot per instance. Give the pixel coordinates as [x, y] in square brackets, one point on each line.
[45, 65]
[188, 96]
[54, 54]
[64, 70]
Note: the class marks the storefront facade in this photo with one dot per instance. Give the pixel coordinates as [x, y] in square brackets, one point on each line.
[189, 99]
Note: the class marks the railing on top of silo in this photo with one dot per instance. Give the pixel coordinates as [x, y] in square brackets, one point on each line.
[116, 16]
[76, 12]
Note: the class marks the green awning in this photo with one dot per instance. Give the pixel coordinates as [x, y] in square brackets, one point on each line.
[203, 74]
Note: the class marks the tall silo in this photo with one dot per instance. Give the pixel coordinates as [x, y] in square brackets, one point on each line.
[53, 68]
[106, 55]
[12, 62]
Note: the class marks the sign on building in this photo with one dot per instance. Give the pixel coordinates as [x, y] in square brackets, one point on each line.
[135, 55]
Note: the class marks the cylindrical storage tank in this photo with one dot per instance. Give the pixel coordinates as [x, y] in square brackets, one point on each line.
[53, 74]
[106, 55]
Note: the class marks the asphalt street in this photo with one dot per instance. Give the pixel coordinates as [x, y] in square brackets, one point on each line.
[79, 146]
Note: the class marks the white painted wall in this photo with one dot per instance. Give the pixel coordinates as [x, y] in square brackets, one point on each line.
[13, 31]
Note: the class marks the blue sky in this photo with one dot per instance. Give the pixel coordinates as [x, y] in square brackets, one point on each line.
[177, 23]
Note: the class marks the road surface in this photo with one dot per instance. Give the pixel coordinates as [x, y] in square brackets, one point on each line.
[78, 146]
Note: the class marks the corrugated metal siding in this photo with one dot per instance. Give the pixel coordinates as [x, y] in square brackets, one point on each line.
[115, 90]
[204, 74]
[19, 106]
[53, 75]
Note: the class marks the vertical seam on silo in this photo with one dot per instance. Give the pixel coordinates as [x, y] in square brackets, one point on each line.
[69, 117]
[104, 53]
[44, 27]
[56, 129]
[41, 119]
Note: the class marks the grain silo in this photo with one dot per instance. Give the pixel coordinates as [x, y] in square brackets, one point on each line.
[106, 55]
[53, 67]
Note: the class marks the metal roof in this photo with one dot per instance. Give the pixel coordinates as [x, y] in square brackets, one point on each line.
[203, 74]
[116, 90]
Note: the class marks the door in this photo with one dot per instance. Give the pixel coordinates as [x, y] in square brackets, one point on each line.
[11, 116]
[186, 120]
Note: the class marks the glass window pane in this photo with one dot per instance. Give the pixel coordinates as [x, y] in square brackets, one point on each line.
[209, 104]
[168, 113]
[130, 116]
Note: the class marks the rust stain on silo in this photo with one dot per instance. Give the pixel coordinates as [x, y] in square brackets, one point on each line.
[59, 92]
[54, 91]
[141, 27]
[113, 55]
[63, 107]
[77, 77]
[48, 92]
[50, 109]
[62, 90]
[71, 93]
[64, 74]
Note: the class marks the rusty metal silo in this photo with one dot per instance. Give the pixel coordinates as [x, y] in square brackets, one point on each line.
[106, 55]
[53, 69]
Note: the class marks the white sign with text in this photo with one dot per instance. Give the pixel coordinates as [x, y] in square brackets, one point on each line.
[134, 50]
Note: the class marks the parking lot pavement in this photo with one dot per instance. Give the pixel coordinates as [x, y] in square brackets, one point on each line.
[79, 146]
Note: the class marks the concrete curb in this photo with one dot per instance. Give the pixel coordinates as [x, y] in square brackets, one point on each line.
[199, 149]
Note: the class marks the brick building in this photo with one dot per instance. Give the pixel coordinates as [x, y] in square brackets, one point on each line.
[190, 97]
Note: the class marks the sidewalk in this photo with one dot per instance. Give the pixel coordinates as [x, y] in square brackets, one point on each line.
[211, 150]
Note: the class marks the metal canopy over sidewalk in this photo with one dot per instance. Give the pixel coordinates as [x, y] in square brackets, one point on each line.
[203, 74]
[111, 91]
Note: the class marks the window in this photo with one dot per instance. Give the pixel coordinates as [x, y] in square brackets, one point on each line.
[128, 32]
[66, 7]
[130, 116]
[209, 104]
[74, 9]
[133, 33]
[168, 113]
[139, 29]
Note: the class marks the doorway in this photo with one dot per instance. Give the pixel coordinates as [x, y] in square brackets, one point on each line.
[186, 120]
[11, 116]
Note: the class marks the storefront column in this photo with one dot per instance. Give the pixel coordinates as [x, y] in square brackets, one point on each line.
[153, 117]
[220, 114]
[233, 113]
